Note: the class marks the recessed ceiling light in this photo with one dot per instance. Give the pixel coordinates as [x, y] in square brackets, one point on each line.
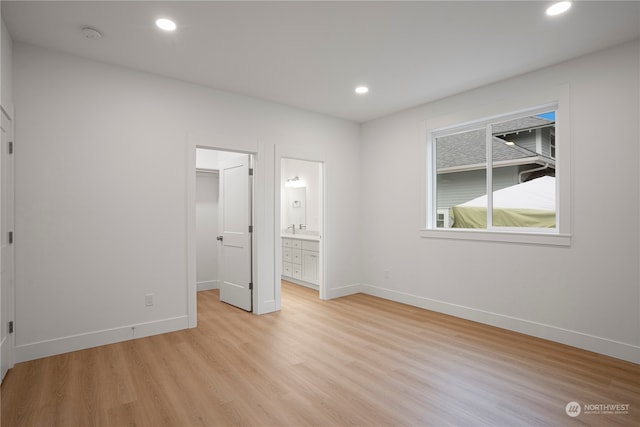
[361, 90]
[558, 8]
[166, 24]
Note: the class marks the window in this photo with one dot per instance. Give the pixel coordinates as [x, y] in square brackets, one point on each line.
[495, 176]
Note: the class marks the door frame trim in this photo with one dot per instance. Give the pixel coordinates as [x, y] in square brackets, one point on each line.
[11, 338]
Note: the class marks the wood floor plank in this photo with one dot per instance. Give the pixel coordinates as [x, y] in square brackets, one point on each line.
[353, 361]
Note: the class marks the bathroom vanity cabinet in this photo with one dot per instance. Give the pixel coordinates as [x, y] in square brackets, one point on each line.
[300, 261]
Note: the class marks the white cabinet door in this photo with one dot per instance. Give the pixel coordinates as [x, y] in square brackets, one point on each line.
[310, 266]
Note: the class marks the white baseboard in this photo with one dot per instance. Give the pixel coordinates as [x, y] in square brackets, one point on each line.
[581, 340]
[343, 291]
[301, 283]
[56, 346]
[207, 285]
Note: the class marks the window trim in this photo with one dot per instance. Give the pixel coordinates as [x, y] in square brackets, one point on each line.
[561, 235]
[533, 238]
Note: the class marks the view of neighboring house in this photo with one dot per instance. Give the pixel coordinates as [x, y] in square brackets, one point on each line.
[522, 150]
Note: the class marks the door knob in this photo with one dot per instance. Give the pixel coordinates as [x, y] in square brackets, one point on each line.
[219, 238]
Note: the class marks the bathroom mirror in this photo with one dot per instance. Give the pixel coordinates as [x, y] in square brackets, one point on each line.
[297, 207]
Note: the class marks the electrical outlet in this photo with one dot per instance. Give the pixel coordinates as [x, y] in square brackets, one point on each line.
[148, 300]
[387, 274]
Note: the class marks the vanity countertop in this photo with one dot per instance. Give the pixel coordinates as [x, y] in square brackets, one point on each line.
[311, 237]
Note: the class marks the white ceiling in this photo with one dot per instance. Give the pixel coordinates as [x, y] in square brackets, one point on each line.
[311, 55]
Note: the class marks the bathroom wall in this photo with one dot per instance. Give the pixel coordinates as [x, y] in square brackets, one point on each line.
[309, 172]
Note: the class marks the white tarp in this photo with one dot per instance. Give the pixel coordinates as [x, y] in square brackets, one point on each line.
[539, 194]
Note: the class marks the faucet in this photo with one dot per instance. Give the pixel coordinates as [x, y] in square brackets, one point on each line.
[293, 227]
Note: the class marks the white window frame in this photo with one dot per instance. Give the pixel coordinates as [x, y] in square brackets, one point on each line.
[561, 234]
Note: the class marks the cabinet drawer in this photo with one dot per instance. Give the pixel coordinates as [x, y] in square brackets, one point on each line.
[286, 243]
[310, 246]
[296, 244]
[286, 254]
[297, 271]
[287, 269]
[296, 256]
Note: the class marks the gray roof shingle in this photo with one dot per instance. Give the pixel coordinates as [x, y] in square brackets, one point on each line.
[468, 148]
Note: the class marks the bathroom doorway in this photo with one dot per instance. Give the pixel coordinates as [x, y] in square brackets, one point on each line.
[302, 223]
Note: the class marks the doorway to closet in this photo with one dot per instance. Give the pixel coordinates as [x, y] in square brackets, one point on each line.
[301, 223]
[224, 222]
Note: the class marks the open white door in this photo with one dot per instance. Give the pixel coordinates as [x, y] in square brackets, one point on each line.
[235, 222]
[6, 248]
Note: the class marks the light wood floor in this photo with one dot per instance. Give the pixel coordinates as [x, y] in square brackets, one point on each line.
[357, 360]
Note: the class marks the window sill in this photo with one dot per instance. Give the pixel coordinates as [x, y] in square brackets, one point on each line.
[529, 238]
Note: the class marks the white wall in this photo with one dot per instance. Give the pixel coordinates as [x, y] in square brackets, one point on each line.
[101, 194]
[588, 294]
